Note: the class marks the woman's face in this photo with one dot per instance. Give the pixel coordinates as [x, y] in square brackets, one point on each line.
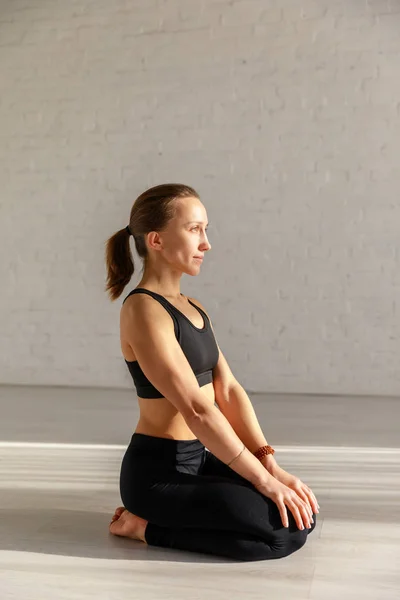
[185, 237]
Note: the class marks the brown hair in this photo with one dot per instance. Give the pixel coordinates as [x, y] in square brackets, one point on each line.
[151, 211]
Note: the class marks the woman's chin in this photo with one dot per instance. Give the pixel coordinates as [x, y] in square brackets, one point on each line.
[193, 270]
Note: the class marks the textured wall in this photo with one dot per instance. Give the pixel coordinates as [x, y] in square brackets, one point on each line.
[286, 118]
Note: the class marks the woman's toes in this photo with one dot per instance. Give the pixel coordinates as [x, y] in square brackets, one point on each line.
[115, 527]
[118, 513]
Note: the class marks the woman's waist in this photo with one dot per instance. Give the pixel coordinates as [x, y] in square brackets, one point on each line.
[158, 417]
[170, 427]
[150, 441]
[153, 452]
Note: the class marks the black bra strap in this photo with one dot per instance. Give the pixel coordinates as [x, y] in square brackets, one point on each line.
[161, 300]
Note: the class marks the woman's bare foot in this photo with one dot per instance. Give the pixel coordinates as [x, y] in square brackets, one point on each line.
[126, 524]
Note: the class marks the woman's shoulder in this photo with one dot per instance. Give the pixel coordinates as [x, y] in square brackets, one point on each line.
[143, 307]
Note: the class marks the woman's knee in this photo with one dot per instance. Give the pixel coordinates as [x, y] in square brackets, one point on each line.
[248, 550]
[278, 547]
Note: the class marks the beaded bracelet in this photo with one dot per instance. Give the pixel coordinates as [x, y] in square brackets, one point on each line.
[263, 451]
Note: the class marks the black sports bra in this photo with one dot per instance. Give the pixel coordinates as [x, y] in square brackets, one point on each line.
[198, 345]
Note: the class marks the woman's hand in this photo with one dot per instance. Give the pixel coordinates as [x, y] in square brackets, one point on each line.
[292, 482]
[285, 498]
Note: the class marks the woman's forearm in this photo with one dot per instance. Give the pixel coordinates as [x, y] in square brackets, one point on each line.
[239, 411]
[216, 433]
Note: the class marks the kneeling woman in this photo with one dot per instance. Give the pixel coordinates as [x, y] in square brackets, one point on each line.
[195, 476]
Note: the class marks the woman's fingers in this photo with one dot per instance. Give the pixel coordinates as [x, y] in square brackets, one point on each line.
[301, 513]
[312, 498]
[314, 501]
[298, 501]
[297, 517]
[283, 513]
[307, 516]
[303, 495]
[306, 494]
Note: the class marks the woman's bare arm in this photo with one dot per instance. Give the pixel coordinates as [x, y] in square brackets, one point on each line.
[149, 330]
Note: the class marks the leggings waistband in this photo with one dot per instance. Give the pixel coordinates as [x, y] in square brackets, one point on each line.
[143, 440]
[166, 451]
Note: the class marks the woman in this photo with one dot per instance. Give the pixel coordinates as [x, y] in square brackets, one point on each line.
[230, 499]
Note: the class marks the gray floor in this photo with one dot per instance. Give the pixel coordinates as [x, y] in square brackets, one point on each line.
[60, 452]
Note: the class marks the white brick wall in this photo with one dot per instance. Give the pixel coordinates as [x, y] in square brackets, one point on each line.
[286, 118]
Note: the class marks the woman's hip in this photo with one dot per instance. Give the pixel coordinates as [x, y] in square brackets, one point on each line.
[151, 461]
[147, 455]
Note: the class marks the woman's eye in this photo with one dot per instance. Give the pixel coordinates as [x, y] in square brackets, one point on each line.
[197, 227]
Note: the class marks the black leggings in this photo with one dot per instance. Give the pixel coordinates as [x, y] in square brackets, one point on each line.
[193, 501]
